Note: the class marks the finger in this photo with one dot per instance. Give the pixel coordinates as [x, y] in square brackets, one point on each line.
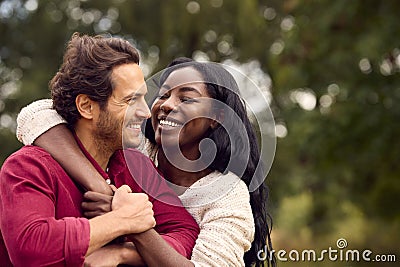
[95, 196]
[113, 188]
[92, 214]
[93, 206]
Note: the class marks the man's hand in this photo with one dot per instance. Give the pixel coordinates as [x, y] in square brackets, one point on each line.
[113, 255]
[110, 255]
[135, 209]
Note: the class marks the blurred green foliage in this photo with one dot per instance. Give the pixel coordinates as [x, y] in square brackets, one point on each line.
[334, 67]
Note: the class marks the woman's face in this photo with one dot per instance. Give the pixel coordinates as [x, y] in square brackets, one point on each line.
[183, 110]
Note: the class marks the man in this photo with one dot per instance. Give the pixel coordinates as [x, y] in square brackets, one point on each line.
[40, 206]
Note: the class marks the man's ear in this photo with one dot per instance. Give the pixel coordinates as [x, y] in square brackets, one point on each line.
[85, 106]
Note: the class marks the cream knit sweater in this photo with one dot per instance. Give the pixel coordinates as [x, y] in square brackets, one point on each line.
[35, 119]
[220, 203]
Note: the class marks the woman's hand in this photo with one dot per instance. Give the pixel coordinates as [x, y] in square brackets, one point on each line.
[95, 204]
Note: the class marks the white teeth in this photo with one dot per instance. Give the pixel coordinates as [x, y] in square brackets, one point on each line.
[169, 123]
[133, 125]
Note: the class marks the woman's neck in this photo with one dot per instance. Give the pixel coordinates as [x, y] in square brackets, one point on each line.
[176, 175]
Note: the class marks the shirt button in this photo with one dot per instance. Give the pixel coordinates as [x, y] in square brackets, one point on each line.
[108, 181]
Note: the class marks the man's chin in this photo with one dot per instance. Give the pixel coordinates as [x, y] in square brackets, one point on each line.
[131, 143]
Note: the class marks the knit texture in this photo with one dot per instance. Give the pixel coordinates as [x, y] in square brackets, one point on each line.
[35, 119]
[220, 204]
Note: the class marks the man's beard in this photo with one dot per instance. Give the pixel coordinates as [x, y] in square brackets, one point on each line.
[108, 133]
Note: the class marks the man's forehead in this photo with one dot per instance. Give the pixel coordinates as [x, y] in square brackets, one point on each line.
[140, 89]
[128, 79]
[130, 93]
[129, 72]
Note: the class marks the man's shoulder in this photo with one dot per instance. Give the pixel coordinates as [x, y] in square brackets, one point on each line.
[30, 163]
[29, 155]
[131, 154]
[29, 151]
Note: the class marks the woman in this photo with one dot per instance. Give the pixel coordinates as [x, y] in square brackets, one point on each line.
[197, 102]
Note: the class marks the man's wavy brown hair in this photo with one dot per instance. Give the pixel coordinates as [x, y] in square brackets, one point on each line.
[86, 69]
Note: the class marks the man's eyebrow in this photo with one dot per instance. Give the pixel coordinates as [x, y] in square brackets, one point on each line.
[130, 96]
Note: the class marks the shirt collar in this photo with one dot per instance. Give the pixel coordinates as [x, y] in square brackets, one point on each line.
[90, 158]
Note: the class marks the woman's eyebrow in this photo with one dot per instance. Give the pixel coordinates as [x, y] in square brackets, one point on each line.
[165, 86]
[189, 89]
[182, 89]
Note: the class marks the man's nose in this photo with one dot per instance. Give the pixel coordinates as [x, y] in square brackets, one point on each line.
[143, 111]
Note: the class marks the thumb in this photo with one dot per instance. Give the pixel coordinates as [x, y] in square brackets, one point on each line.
[113, 188]
[124, 188]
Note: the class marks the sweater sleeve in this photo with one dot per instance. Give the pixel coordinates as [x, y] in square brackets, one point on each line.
[32, 234]
[226, 230]
[35, 119]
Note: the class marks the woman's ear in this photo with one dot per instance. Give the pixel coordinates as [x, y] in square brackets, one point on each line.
[219, 119]
[85, 106]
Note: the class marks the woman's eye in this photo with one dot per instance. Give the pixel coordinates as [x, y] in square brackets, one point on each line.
[164, 96]
[188, 100]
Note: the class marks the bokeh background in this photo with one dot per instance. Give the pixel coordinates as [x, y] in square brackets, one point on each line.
[330, 70]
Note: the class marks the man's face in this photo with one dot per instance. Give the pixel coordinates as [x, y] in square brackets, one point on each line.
[118, 124]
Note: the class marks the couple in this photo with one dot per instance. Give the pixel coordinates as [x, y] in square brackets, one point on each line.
[183, 106]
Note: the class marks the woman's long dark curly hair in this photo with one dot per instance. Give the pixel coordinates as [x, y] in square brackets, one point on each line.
[222, 86]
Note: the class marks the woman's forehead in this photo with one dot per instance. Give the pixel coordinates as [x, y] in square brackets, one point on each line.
[182, 76]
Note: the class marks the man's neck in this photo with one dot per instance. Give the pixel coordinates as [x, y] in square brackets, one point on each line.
[96, 150]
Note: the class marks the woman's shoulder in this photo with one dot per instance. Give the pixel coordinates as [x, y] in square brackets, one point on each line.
[215, 189]
[235, 191]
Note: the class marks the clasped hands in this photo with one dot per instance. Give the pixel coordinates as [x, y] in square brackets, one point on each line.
[134, 209]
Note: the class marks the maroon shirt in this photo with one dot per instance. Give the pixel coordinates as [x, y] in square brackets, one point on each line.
[41, 219]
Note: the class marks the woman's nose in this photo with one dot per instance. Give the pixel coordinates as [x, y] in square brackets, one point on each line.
[169, 104]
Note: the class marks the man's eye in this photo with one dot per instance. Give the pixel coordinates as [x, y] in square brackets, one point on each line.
[131, 101]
